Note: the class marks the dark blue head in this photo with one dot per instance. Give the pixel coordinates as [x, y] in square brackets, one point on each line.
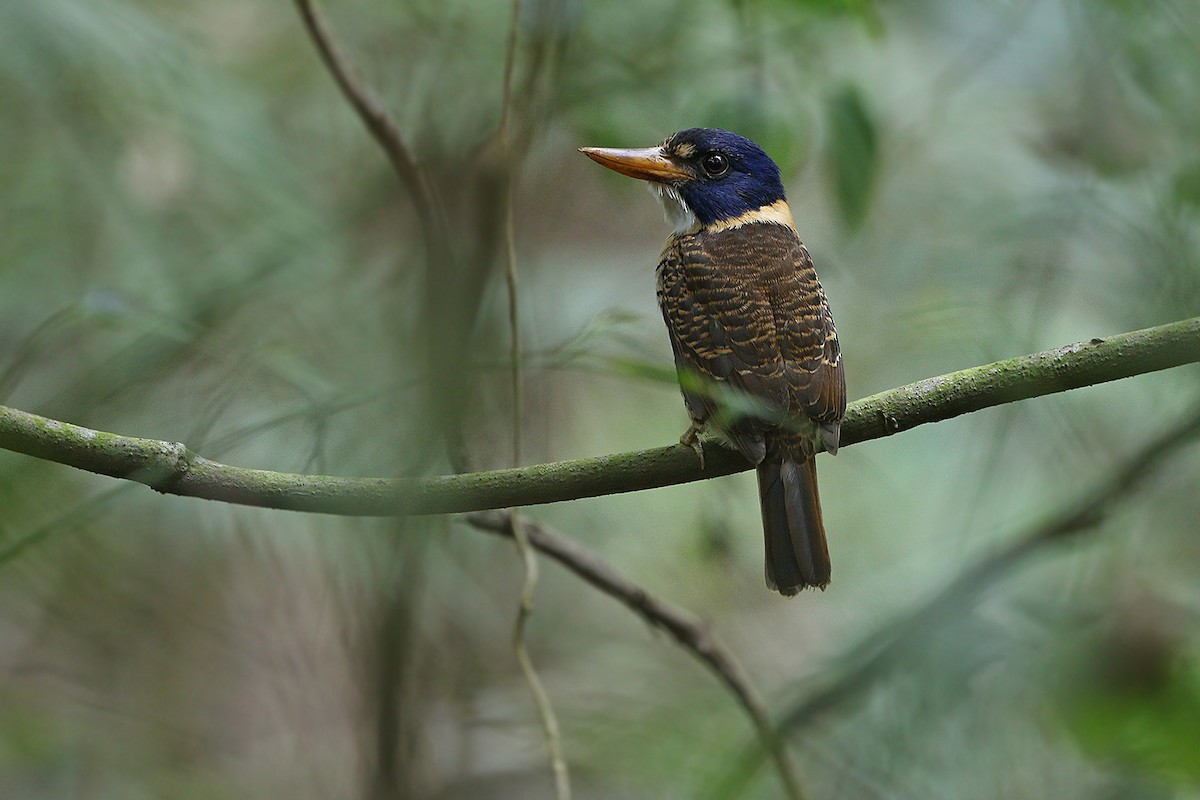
[717, 174]
[731, 174]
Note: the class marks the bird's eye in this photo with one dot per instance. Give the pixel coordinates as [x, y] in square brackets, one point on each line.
[715, 164]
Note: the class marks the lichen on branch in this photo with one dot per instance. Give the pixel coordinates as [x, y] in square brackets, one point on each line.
[171, 468]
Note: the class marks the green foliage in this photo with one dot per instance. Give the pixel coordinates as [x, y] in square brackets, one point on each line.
[1157, 733]
[854, 154]
[1134, 702]
[1186, 187]
[201, 243]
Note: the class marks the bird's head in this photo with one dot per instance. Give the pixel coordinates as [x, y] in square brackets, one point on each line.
[703, 175]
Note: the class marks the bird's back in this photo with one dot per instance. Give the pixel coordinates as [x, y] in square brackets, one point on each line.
[745, 309]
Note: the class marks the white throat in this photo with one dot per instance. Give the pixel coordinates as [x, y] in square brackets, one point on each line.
[676, 211]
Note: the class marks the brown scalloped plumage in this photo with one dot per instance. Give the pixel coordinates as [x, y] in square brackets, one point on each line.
[745, 311]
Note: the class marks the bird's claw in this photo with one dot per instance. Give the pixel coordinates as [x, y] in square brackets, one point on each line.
[691, 438]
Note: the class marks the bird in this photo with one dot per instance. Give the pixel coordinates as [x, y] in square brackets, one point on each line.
[755, 348]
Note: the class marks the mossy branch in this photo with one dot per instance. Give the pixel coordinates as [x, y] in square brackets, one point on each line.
[171, 468]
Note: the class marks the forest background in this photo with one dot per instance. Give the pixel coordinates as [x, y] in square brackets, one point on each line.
[201, 242]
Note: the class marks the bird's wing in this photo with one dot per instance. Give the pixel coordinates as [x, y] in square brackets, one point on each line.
[744, 308]
[813, 355]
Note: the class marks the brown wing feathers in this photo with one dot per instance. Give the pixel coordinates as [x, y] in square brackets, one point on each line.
[744, 309]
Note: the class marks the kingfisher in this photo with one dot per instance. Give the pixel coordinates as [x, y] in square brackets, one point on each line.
[755, 347]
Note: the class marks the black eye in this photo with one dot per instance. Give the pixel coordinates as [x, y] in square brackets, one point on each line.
[715, 164]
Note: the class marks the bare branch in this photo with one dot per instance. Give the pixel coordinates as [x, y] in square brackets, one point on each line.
[373, 114]
[171, 468]
[515, 529]
[882, 648]
[510, 237]
[689, 631]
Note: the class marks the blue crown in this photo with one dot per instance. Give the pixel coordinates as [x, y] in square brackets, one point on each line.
[749, 181]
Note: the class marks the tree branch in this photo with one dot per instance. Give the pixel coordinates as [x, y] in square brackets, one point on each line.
[689, 631]
[171, 468]
[882, 649]
[376, 119]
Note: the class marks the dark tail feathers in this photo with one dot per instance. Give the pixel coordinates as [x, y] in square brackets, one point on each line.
[797, 556]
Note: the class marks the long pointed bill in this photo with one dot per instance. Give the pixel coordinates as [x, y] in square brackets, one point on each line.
[648, 164]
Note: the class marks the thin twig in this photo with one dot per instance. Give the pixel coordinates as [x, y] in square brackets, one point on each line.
[31, 347]
[549, 720]
[510, 243]
[882, 648]
[518, 531]
[373, 114]
[434, 228]
[171, 468]
[690, 632]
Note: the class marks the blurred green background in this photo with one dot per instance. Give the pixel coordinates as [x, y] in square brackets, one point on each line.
[199, 242]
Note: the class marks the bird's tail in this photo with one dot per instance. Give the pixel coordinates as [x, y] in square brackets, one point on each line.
[797, 556]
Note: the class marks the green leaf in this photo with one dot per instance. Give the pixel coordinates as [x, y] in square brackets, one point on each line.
[1154, 731]
[854, 152]
[1186, 188]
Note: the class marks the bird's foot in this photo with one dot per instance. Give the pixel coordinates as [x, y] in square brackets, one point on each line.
[691, 438]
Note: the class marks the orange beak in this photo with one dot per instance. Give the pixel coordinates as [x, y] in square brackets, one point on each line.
[647, 164]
